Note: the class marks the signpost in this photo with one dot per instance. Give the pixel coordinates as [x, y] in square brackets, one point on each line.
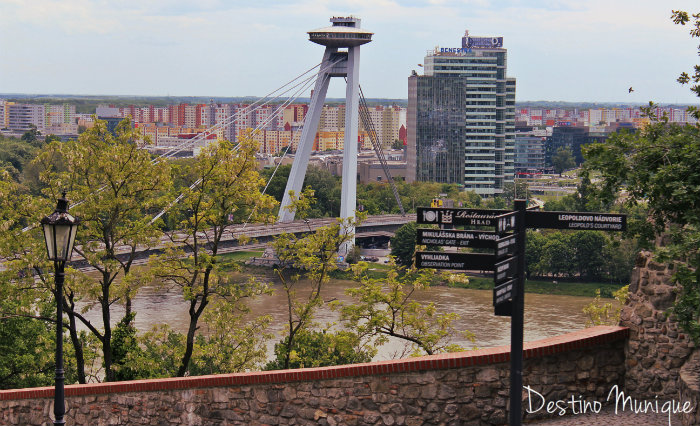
[456, 238]
[464, 217]
[507, 260]
[458, 261]
[576, 221]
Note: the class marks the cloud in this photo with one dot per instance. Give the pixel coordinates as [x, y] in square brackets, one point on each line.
[235, 47]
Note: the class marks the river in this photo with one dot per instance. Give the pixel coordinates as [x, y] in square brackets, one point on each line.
[545, 315]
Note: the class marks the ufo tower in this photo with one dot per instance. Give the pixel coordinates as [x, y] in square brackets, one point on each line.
[345, 33]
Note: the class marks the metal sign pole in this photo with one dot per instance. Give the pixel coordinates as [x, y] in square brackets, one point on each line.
[507, 261]
[517, 321]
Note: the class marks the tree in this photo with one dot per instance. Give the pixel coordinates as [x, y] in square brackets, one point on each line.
[120, 189]
[535, 242]
[320, 349]
[397, 144]
[312, 256]
[557, 255]
[26, 343]
[31, 136]
[606, 313]
[326, 189]
[658, 168]
[226, 189]
[27, 292]
[403, 244]
[515, 190]
[384, 308]
[563, 159]
[681, 18]
[588, 258]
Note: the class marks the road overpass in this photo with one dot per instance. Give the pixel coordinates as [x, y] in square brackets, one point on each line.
[260, 235]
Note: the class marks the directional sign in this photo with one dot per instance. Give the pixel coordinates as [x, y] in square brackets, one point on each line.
[459, 261]
[469, 217]
[577, 221]
[503, 292]
[505, 223]
[506, 246]
[505, 309]
[505, 269]
[455, 238]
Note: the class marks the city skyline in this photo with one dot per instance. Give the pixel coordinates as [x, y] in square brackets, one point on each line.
[558, 50]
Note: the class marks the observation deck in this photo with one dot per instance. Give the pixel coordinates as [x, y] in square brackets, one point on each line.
[345, 32]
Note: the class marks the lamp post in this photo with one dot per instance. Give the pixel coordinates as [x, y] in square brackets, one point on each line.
[59, 234]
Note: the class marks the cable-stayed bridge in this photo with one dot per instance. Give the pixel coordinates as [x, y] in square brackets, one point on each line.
[341, 58]
[261, 235]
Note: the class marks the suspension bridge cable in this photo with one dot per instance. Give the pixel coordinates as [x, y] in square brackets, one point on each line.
[232, 118]
[226, 122]
[369, 127]
[248, 110]
[307, 83]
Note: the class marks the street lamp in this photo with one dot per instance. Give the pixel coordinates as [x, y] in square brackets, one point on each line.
[59, 234]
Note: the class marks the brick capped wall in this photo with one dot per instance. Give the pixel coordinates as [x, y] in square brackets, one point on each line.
[466, 388]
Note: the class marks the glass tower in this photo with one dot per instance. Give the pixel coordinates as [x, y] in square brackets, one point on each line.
[461, 117]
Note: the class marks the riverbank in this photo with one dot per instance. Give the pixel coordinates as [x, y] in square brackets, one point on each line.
[379, 270]
[549, 287]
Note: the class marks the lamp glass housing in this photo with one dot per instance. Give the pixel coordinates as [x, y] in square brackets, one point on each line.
[59, 240]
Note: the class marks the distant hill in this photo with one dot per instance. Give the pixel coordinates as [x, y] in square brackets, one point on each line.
[87, 103]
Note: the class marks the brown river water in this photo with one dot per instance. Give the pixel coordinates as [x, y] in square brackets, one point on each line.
[545, 315]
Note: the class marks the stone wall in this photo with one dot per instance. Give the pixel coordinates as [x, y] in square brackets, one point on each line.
[689, 388]
[466, 388]
[657, 348]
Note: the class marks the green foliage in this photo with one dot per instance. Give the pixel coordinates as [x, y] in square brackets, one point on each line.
[558, 287]
[124, 342]
[681, 18]
[687, 305]
[161, 350]
[15, 154]
[563, 159]
[313, 348]
[120, 189]
[658, 169]
[384, 308]
[582, 255]
[403, 244]
[224, 188]
[354, 255]
[31, 136]
[28, 347]
[515, 190]
[325, 186]
[233, 343]
[606, 313]
[312, 256]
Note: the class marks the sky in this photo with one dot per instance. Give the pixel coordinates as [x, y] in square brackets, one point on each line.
[558, 50]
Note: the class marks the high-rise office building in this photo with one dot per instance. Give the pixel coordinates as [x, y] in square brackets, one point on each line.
[461, 117]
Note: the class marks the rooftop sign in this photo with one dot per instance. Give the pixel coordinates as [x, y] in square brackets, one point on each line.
[456, 50]
[482, 42]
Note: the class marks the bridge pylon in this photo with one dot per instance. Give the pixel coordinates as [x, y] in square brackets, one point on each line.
[345, 33]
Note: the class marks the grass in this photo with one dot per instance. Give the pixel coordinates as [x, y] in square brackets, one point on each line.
[548, 287]
[374, 271]
[379, 271]
[241, 256]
